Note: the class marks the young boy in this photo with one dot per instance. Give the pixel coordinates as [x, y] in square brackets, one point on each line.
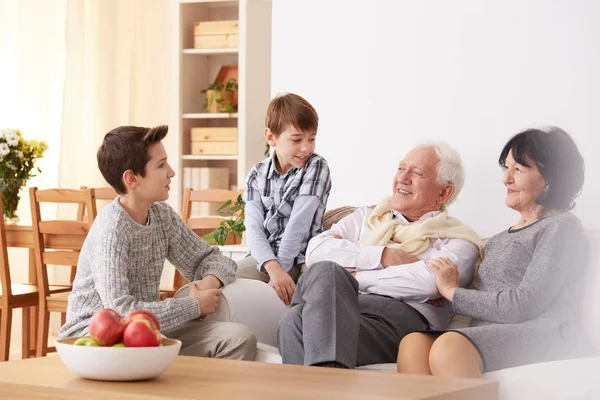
[122, 258]
[286, 196]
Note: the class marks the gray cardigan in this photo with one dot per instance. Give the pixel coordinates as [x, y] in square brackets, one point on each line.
[528, 304]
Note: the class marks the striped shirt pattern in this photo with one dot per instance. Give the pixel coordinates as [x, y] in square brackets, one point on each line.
[277, 193]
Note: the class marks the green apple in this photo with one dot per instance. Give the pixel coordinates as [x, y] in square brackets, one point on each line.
[121, 344]
[86, 341]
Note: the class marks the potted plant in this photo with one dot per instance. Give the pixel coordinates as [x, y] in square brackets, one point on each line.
[17, 166]
[220, 97]
[234, 224]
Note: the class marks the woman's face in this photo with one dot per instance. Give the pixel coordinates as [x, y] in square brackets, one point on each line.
[524, 185]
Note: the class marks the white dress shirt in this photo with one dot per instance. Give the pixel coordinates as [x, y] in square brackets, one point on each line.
[413, 283]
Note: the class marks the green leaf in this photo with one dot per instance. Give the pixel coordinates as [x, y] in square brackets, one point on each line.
[239, 233]
[224, 205]
[221, 234]
[209, 238]
[238, 225]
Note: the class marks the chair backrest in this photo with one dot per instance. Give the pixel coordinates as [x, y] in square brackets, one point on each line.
[101, 193]
[64, 238]
[214, 196]
[206, 224]
[5, 282]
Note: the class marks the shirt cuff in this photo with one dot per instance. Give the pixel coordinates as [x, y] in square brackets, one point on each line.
[369, 258]
[367, 281]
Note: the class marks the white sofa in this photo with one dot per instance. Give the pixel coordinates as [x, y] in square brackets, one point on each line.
[256, 305]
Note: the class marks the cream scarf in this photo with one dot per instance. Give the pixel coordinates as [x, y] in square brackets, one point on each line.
[414, 238]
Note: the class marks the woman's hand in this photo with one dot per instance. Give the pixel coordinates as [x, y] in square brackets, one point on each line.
[446, 276]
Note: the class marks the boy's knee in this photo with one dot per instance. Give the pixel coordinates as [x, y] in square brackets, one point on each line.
[242, 339]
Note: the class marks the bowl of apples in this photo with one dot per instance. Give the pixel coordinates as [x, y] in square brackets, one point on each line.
[119, 349]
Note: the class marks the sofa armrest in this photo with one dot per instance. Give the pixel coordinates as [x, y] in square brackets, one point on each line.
[251, 303]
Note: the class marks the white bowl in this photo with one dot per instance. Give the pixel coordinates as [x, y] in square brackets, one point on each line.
[117, 363]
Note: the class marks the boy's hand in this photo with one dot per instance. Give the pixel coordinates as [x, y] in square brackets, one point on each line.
[281, 281]
[207, 299]
[209, 282]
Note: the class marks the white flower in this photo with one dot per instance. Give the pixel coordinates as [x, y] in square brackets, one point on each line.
[11, 166]
[5, 132]
[20, 154]
[4, 149]
[11, 138]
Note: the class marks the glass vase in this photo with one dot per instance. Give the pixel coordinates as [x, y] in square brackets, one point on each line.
[10, 189]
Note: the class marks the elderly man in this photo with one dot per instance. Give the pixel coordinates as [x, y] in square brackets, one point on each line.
[368, 284]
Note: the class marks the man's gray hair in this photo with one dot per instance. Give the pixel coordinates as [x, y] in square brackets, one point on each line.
[450, 169]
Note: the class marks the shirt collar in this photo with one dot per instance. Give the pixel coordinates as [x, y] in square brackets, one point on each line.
[402, 218]
[273, 167]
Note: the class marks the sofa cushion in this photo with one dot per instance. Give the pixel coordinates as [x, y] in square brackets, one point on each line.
[565, 380]
[333, 216]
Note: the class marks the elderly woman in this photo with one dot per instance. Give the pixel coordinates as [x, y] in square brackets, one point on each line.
[526, 304]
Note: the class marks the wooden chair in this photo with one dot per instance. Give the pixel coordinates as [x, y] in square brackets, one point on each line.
[56, 242]
[14, 295]
[204, 224]
[101, 193]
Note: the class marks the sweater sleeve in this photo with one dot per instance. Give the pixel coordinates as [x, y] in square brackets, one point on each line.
[193, 257]
[111, 281]
[558, 254]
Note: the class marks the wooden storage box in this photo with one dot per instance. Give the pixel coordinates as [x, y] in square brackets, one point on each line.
[214, 134]
[215, 148]
[214, 141]
[216, 34]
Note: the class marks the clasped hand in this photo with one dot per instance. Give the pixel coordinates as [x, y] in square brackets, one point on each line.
[446, 276]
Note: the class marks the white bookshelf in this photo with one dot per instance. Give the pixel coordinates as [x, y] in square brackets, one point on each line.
[198, 68]
[209, 52]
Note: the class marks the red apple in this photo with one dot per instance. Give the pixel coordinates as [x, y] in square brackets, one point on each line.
[141, 315]
[107, 327]
[141, 333]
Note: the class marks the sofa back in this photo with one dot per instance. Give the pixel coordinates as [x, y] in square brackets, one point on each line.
[591, 305]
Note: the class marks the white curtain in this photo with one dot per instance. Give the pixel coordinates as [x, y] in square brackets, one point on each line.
[120, 70]
[70, 71]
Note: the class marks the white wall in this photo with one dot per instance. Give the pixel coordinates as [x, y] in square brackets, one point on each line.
[384, 74]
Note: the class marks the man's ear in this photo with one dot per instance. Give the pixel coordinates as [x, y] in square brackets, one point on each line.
[270, 137]
[445, 194]
[129, 179]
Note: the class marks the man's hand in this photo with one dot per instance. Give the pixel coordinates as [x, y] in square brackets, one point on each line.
[207, 299]
[446, 276]
[435, 302]
[209, 282]
[392, 256]
[281, 281]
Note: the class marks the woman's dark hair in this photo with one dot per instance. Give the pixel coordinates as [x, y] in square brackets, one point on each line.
[557, 158]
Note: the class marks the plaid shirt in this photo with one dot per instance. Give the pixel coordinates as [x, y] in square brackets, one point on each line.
[277, 193]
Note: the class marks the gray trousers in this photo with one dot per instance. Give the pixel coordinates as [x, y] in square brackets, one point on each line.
[329, 321]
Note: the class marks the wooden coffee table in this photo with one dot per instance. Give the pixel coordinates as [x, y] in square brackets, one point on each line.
[195, 378]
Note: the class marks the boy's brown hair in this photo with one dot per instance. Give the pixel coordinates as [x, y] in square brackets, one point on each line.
[290, 109]
[126, 147]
